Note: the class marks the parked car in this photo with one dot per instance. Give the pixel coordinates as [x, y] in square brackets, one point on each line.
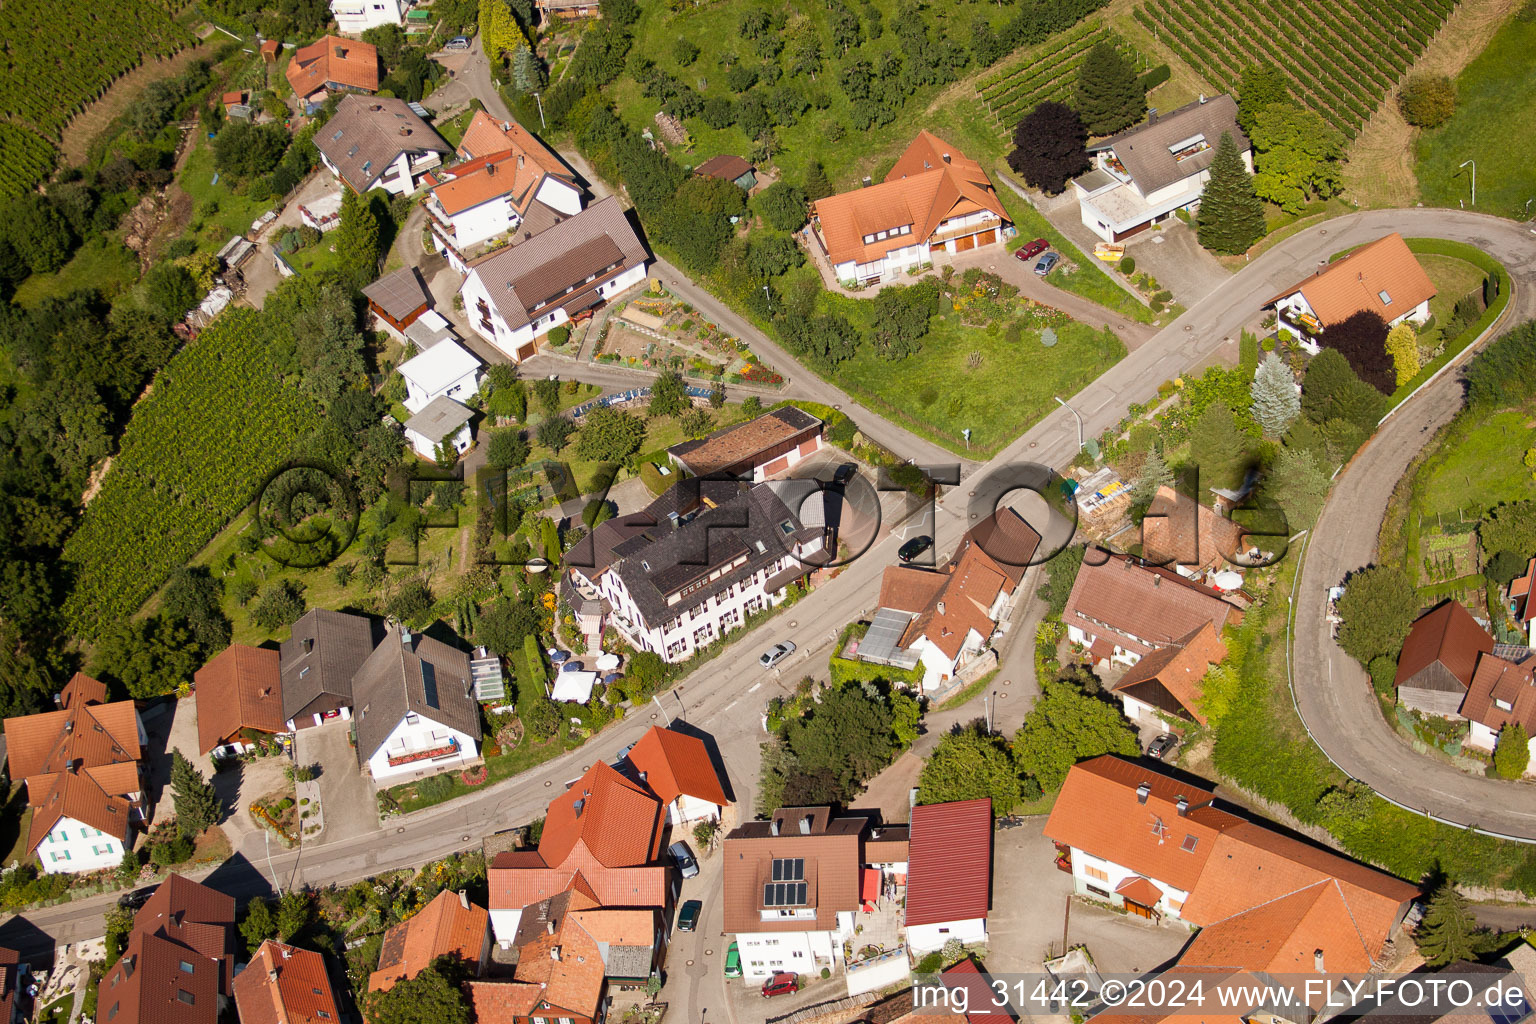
[457, 43]
[684, 859]
[136, 899]
[733, 961]
[688, 916]
[781, 985]
[1047, 261]
[914, 547]
[1161, 747]
[775, 654]
[623, 754]
[1031, 250]
[333, 713]
[1009, 821]
[845, 472]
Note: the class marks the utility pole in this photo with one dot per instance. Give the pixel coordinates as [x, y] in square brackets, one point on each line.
[662, 709]
[1073, 411]
[542, 125]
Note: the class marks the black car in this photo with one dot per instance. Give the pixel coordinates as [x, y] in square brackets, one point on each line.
[914, 547]
[1163, 746]
[136, 899]
[688, 916]
[845, 472]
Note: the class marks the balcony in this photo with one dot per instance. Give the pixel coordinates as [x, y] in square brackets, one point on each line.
[450, 749]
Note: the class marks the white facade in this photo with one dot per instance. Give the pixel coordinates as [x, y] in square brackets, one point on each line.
[947, 237]
[504, 925]
[401, 176]
[73, 846]
[687, 809]
[1485, 739]
[764, 954]
[1117, 208]
[1295, 307]
[354, 17]
[1121, 656]
[518, 344]
[695, 627]
[496, 216]
[1097, 877]
[427, 448]
[938, 666]
[924, 938]
[444, 369]
[415, 733]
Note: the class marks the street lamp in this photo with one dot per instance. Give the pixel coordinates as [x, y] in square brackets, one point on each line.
[1073, 411]
[1474, 178]
[542, 125]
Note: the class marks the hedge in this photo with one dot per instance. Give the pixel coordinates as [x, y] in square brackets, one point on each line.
[845, 670]
[1154, 78]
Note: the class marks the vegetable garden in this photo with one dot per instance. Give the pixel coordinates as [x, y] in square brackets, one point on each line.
[1045, 72]
[1342, 56]
[217, 420]
[59, 56]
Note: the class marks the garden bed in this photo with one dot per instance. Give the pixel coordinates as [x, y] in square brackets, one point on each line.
[660, 332]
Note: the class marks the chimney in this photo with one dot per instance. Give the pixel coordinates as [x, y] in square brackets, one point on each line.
[405, 637]
[941, 607]
[1317, 961]
[464, 899]
[549, 928]
[805, 825]
[1143, 791]
[773, 826]
[519, 160]
[341, 51]
[307, 644]
[404, 131]
[272, 974]
[554, 952]
[490, 170]
[376, 107]
[946, 158]
[1157, 581]
[581, 802]
[1183, 807]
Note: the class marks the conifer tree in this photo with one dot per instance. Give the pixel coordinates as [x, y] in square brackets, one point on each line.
[1109, 97]
[1276, 402]
[1231, 215]
[817, 184]
[357, 238]
[1449, 931]
[1154, 474]
[197, 805]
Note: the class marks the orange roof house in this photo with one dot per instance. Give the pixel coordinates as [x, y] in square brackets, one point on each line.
[270, 48]
[1188, 536]
[285, 985]
[1502, 693]
[1520, 594]
[1438, 659]
[677, 768]
[1382, 278]
[935, 198]
[239, 689]
[178, 966]
[448, 926]
[81, 767]
[1169, 679]
[333, 64]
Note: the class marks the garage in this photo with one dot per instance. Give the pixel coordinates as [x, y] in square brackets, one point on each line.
[965, 242]
[986, 237]
[526, 352]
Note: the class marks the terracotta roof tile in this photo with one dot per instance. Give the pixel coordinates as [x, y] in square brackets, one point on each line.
[1355, 282]
[1182, 532]
[1179, 668]
[1139, 607]
[1520, 589]
[830, 852]
[981, 997]
[1497, 680]
[1139, 889]
[346, 62]
[299, 994]
[949, 872]
[240, 688]
[907, 588]
[567, 964]
[1282, 936]
[183, 922]
[735, 449]
[1447, 634]
[677, 764]
[618, 821]
[444, 927]
[501, 159]
[503, 1002]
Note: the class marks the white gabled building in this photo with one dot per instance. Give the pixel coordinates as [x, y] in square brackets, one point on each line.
[379, 142]
[1383, 277]
[443, 371]
[518, 294]
[441, 422]
[354, 17]
[1143, 175]
[415, 708]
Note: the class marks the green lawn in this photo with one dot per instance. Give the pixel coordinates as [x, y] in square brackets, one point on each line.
[1495, 110]
[219, 212]
[1453, 278]
[101, 263]
[1482, 467]
[938, 393]
[452, 130]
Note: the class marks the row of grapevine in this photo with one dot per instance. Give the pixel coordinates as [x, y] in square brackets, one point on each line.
[218, 420]
[1049, 72]
[1030, 58]
[29, 158]
[1342, 56]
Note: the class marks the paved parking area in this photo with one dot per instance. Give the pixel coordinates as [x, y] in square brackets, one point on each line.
[346, 796]
[236, 787]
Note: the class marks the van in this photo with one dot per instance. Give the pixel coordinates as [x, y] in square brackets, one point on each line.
[684, 859]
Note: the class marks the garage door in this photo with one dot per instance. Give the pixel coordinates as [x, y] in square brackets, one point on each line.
[778, 465]
[986, 237]
[526, 352]
[965, 242]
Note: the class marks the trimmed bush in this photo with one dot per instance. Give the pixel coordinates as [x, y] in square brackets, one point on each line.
[1127, 265]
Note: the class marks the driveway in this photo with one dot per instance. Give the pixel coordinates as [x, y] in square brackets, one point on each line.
[261, 275]
[1175, 257]
[346, 796]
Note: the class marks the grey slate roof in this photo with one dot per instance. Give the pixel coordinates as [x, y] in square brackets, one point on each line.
[440, 418]
[368, 130]
[400, 293]
[602, 547]
[1144, 150]
[411, 672]
[338, 645]
[529, 276]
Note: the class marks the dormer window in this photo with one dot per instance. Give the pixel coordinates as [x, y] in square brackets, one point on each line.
[1503, 705]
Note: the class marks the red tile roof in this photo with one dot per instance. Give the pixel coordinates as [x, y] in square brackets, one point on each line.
[949, 870]
[677, 764]
[501, 159]
[981, 997]
[240, 688]
[1498, 680]
[567, 965]
[907, 588]
[1180, 531]
[448, 926]
[1140, 890]
[618, 821]
[1283, 935]
[1141, 608]
[1354, 283]
[830, 850]
[183, 922]
[285, 985]
[1179, 668]
[922, 190]
[744, 446]
[503, 1002]
[1448, 635]
[346, 62]
[991, 559]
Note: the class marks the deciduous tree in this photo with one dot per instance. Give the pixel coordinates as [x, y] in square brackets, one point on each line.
[669, 395]
[1050, 147]
[1261, 85]
[1065, 727]
[1296, 156]
[970, 763]
[506, 449]
[609, 435]
[1377, 609]
[1512, 755]
[1427, 101]
[1231, 216]
[1361, 339]
[783, 206]
[1403, 347]
[435, 996]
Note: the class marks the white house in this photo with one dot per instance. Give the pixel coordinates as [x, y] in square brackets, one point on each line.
[379, 142]
[443, 371]
[936, 199]
[949, 874]
[712, 554]
[354, 17]
[1144, 174]
[73, 846]
[565, 272]
[1383, 278]
[442, 421]
[415, 708]
[1503, 693]
[1121, 610]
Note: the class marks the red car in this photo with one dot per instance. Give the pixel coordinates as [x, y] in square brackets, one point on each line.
[781, 984]
[1031, 250]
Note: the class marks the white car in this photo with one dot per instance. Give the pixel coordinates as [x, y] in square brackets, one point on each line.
[775, 654]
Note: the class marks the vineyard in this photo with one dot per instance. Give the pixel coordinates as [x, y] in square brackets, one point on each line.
[1342, 56]
[216, 422]
[1046, 72]
[57, 56]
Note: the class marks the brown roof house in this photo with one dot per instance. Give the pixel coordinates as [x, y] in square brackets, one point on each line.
[1438, 659]
[399, 297]
[448, 926]
[1383, 278]
[1501, 694]
[936, 199]
[317, 662]
[81, 765]
[1521, 605]
[284, 984]
[379, 142]
[1144, 174]
[1190, 537]
[507, 187]
[562, 274]
[239, 693]
[1168, 682]
[772, 443]
[944, 620]
[179, 964]
[1159, 845]
[676, 766]
[332, 64]
[727, 167]
[415, 709]
[791, 889]
[1121, 610]
[13, 976]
